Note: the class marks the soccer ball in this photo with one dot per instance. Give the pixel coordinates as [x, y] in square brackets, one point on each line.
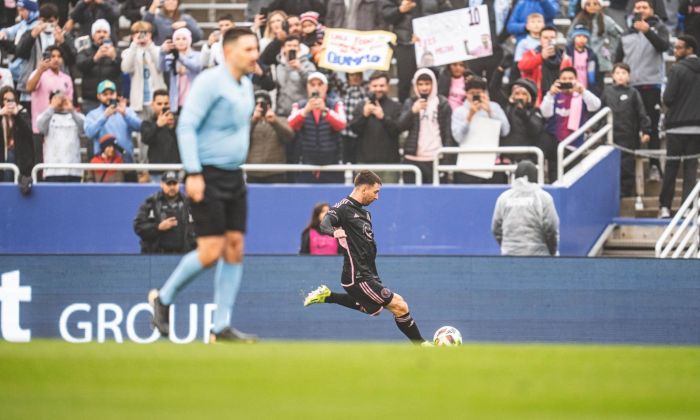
[447, 336]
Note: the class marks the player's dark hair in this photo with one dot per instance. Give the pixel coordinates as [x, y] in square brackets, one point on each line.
[315, 223]
[379, 75]
[623, 66]
[690, 42]
[233, 34]
[160, 92]
[568, 69]
[367, 178]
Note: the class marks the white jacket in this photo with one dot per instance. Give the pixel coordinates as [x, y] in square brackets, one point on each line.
[61, 139]
[133, 60]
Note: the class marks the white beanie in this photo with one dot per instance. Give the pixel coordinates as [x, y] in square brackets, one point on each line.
[101, 24]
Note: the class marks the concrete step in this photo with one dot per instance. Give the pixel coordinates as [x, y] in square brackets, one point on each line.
[625, 253]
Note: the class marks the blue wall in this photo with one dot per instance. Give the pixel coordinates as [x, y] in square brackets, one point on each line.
[487, 298]
[447, 220]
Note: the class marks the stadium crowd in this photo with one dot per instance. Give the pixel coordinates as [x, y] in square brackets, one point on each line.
[67, 79]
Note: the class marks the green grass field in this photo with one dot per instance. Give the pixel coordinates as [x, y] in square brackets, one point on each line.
[272, 380]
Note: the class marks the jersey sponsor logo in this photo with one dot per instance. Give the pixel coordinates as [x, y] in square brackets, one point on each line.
[385, 293]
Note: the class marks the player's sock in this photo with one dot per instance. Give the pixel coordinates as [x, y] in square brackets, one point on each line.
[227, 281]
[408, 326]
[343, 299]
[186, 270]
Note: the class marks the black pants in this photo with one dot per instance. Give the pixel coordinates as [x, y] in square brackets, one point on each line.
[627, 163]
[426, 169]
[320, 177]
[680, 145]
[651, 97]
[349, 146]
[406, 67]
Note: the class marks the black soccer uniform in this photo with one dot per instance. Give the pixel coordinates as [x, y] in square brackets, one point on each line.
[360, 278]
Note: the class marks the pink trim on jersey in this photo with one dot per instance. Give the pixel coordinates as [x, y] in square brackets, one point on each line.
[344, 243]
[370, 293]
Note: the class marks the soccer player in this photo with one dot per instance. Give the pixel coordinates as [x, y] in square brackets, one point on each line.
[351, 224]
[213, 137]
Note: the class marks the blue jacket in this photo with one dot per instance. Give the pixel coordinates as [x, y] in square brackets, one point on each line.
[518, 19]
[214, 125]
[192, 62]
[120, 126]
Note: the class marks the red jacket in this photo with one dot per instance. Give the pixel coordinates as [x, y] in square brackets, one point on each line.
[542, 72]
[108, 176]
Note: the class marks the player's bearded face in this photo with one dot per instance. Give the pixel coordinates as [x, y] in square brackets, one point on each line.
[370, 193]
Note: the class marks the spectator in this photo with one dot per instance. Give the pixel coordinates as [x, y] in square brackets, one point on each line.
[164, 222]
[682, 120]
[61, 125]
[274, 29]
[313, 242]
[114, 118]
[292, 29]
[98, 62]
[541, 65]
[87, 12]
[524, 8]
[8, 14]
[158, 132]
[642, 49]
[630, 118]
[297, 7]
[375, 124]
[525, 119]
[269, 136]
[109, 153]
[33, 43]
[169, 19]
[498, 13]
[534, 26]
[427, 118]
[16, 135]
[579, 56]
[525, 221]
[605, 34]
[312, 33]
[28, 14]
[566, 106]
[291, 74]
[6, 78]
[400, 14]
[354, 94]
[213, 50]
[182, 64]
[477, 105]
[451, 84]
[48, 78]
[357, 15]
[140, 61]
[318, 122]
[134, 10]
[256, 8]
[690, 11]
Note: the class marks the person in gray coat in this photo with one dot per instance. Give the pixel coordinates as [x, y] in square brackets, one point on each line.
[525, 221]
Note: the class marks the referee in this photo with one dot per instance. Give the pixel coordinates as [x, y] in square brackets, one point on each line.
[213, 137]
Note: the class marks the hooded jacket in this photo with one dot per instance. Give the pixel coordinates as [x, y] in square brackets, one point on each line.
[134, 59]
[291, 83]
[378, 140]
[542, 72]
[96, 71]
[411, 122]
[643, 52]
[690, 10]
[682, 94]
[525, 221]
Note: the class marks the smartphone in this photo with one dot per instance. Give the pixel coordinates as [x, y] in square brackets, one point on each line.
[46, 55]
[114, 102]
[291, 55]
[264, 11]
[637, 17]
[315, 94]
[107, 41]
[424, 96]
[566, 86]
[476, 98]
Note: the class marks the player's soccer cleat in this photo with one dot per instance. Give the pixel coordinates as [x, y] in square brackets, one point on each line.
[317, 296]
[427, 344]
[232, 335]
[161, 313]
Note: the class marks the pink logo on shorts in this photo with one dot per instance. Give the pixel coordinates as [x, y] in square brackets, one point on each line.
[385, 293]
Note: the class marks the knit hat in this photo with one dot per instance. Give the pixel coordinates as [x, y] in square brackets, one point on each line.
[528, 85]
[100, 25]
[310, 15]
[527, 169]
[183, 32]
[580, 30]
[107, 140]
[30, 5]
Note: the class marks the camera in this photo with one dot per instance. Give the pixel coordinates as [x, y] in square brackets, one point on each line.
[315, 95]
[424, 96]
[372, 98]
[113, 102]
[291, 55]
[263, 105]
[637, 17]
[165, 110]
[46, 55]
[285, 26]
[566, 86]
[476, 98]
[49, 28]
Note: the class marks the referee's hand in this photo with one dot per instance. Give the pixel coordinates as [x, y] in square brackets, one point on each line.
[194, 186]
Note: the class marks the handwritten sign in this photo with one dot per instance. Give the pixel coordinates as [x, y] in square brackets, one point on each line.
[355, 51]
[449, 37]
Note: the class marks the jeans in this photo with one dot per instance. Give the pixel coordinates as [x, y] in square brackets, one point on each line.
[680, 145]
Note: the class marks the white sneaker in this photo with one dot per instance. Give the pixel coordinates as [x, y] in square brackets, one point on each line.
[664, 213]
[654, 174]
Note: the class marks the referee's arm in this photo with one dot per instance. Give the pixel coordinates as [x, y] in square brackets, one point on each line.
[192, 116]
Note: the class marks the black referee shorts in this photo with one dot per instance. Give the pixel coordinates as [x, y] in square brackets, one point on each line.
[370, 294]
[225, 205]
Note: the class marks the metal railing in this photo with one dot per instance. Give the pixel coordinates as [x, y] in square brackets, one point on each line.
[686, 232]
[515, 150]
[248, 167]
[10, 167]
[591, 141]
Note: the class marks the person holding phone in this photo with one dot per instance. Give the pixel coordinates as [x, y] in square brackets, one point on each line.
[16, 144]
[182, 64]
[568, 105]
[213, 50]
[541, 65]
[61, 125]
[97, 62]
[48, 78]
[291, 74]
[166, 18]
[158, 133]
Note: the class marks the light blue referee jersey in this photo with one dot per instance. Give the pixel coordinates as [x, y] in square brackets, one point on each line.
[214, 125]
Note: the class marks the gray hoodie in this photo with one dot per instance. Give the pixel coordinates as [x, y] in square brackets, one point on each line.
[525, 221]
